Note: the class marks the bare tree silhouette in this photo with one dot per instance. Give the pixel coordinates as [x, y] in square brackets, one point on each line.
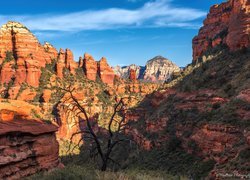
[101, 140]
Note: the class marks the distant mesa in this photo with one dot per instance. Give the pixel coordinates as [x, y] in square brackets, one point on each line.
[158, 69]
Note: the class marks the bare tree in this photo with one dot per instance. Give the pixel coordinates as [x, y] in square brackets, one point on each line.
[101, 141]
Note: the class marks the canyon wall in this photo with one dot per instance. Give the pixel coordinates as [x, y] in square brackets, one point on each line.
[206, 112]
[226, 24]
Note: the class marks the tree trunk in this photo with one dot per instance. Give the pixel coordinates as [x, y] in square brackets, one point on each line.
[104, 166]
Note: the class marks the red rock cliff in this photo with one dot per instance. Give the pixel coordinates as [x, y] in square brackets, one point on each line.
[89, 66]
[105, 72]
[27, 146]
[21, 55]
[227, 24]
[132, 75]
[65, 60]
[92, 68]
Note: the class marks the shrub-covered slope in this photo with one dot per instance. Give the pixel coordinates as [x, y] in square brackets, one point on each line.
[202, 123]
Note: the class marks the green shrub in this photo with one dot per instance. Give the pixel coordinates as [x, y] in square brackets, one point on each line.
[245, 154]
[9, 56]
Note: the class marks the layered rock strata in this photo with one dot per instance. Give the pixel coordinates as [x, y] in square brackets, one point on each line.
[22, 58]
[226, 24]
[27, 145]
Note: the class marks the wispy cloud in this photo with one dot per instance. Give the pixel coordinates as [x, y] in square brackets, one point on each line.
[157, 13]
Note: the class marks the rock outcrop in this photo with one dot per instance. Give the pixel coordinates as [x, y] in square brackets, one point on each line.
[21, 56]
[27, 146]
[60, 63]
[65, 61]
[132, 75]
[123, 71]
[94, 69]
[156, 69]
[90, 67]
[159, 69]
[23, 59]
[226, 24]
[105, 72]
[51, 50]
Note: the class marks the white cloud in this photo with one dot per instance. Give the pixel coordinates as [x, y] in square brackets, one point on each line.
[158, 13]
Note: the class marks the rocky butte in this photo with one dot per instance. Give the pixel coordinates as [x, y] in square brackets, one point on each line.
[123, 71]
[158, 69]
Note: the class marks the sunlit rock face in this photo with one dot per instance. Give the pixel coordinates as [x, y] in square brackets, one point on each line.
[21, 55]
[123, 71]
[132, 75]
[226, 24]
[159, 69]
[156, 69]
[105, 72]
[94, 69]
[23, 60]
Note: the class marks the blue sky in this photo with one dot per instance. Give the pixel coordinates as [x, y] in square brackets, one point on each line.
[124, 31]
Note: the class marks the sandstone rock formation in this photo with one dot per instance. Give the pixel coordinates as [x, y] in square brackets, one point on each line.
[65, 61]
[105, 72]
[159, 69]
[123, 71]
[226, 24]
[27, 145]
[21, 54]
[132, 75]
[23, 59]
[70, 64]
[156, 69]
[90, 66]
[94, 69]
[60, 63]
[50, 50]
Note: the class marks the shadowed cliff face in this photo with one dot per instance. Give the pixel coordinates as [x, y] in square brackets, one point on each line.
[205, 114]
[226, 24]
